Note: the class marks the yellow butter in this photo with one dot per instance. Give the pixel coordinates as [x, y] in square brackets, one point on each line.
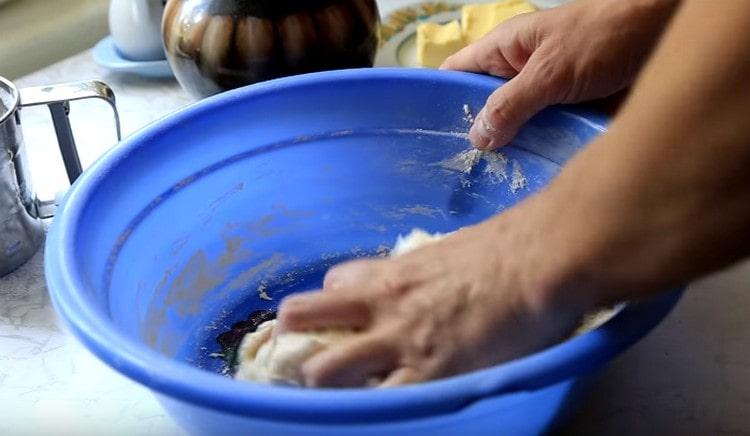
[479, 19]
[435, 42]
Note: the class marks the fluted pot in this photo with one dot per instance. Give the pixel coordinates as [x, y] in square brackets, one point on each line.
[216, 45]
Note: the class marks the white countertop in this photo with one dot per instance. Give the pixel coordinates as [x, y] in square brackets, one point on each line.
[49, 384]
[690, 376]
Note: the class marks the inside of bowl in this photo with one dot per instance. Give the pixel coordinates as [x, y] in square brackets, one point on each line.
[229, 207]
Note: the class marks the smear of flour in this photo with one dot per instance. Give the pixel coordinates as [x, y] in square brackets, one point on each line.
[399, 213]
[263, 292]
[382, 250]
[497, 166]
[468, 116]
[518, 178]
[463, 162]
[466, 160]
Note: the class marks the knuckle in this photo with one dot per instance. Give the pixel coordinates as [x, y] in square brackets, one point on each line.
[500, 110]
[291, 312]
[547, 74]
[359, 311]
[391, 287]
[449, 61]
[289, 304]
[286, 317]
[551, 76]
[314, 374]
[349, 275]
[362, 307]
[394, 281]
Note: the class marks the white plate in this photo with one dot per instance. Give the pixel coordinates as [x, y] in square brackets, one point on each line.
[398, 46]
[106, 55]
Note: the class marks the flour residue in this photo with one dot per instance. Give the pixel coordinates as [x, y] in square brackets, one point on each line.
[341, 133]
[400, 213]
[267, 268]
[185, 294]
[197, 278]
[468, 116]
[330, 256]
[263, 226]
[263, 292]
[497, 166]
[463, 162]
[382, 250]
[423, 210]
[518, 178]
[376, 228]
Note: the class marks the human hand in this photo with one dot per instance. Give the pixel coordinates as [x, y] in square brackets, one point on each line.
[584, 50]
[468, 301]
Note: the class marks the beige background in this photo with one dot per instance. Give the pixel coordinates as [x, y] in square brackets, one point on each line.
[36, 33]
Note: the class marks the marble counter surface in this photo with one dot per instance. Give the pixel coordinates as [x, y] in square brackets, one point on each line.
[49, 384]
[690, 376]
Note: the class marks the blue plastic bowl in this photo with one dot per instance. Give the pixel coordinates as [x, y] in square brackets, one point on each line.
[172, 236]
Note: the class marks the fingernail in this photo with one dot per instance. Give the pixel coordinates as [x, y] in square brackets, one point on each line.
[481, 132]
[478, 141]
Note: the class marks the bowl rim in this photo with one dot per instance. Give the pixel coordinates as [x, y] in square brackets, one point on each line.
[179, 380]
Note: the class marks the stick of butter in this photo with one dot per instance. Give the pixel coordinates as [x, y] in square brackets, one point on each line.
[435, 42]
[478, 20]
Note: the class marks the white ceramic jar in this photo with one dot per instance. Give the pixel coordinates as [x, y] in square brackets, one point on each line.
[135, 26]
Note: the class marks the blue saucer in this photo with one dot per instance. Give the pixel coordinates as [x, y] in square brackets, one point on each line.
[106, 54]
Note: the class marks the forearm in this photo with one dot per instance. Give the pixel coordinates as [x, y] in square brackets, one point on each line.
[664, 196]
[636, 27]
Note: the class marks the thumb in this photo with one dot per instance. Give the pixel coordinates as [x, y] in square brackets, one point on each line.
[509, 108]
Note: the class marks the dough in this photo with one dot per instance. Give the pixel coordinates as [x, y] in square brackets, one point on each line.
[417, 238]
[265, 359]
[278, 360]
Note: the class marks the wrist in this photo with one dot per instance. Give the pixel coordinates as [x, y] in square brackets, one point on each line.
[642, 10]
[550, 268]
